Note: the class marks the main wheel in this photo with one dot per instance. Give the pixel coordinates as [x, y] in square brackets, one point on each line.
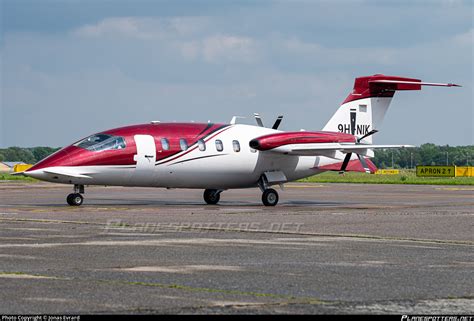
[75, 199]
[211, 196]
[270, 197]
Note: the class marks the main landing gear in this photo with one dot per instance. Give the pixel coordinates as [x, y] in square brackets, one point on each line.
[212, 196]
[76, 199]
[269, 195]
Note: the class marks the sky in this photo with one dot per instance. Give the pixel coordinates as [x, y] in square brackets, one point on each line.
[72, 68]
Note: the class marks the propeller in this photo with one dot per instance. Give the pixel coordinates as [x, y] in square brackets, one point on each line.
[234, 119]
[258, 119]
[345, 162]
[373, 131]
[277, 122]
[360, 157]
[260, 122]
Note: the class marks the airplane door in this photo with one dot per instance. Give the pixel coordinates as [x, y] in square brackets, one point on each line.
[145, 158]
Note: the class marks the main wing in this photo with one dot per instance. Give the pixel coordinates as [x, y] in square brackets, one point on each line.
[332, 150]
[329, 144]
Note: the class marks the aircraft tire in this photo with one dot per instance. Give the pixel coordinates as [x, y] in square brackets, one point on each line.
[75, 199]
[211, 196]
[270, 197]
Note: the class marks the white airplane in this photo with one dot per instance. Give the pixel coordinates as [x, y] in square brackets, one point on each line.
[217, 157]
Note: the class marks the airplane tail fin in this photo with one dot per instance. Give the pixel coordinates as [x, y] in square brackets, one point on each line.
[365, 107]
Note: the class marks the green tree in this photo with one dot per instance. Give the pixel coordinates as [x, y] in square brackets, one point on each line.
[42, 152]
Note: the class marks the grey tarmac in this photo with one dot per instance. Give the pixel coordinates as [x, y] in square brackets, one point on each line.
[325, 248]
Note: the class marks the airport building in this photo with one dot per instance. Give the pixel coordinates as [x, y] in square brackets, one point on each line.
[9, 166]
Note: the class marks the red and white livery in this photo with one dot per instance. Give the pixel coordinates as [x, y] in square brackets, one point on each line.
[217, 157]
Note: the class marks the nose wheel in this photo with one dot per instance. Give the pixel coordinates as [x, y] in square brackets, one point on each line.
[76, 199]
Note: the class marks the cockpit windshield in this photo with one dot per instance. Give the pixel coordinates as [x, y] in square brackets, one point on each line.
[101, 142]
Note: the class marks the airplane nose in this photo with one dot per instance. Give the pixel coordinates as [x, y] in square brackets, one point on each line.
[38, 174]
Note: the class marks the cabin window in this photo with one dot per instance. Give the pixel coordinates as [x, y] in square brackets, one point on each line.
[219, 145]
[183, 144]
[236, 146]
[101, 142]
[165, 144]
[201, 145]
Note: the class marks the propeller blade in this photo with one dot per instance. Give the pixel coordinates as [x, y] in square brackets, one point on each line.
[367, 135]
[277, 122]
[364, 163]
[234, 119]
[258, 119]
[345, 162]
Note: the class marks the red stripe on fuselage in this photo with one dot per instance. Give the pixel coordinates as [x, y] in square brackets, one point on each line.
[190, 149]
[76, 156]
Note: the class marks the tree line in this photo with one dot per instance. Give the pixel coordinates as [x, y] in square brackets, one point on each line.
[30, 155]
[426, 154]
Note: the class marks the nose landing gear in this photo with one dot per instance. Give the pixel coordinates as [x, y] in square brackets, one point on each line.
[76, 199]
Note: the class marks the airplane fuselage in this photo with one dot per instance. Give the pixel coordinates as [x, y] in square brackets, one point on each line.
[194, 155]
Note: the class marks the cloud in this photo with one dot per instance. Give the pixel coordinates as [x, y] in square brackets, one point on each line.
[465, 38]
[220, 48]
[231, 47]
[344, 55]
[120, 26]
[143, 27]
[189, 36]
